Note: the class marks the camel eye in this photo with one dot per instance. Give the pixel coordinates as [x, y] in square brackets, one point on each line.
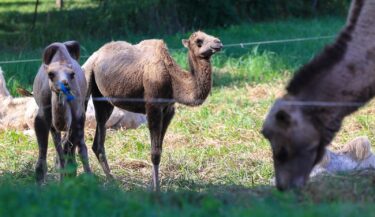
[199, 42]
[72, 75]
[282, 155]
[51, 75]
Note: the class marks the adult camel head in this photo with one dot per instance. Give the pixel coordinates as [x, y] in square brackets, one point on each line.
[333, 85]
[202, 45]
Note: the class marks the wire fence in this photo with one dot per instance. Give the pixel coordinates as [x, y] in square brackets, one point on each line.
[241, 45]
[166, 101]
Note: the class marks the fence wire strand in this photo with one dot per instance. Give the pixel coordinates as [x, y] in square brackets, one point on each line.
[241, 45]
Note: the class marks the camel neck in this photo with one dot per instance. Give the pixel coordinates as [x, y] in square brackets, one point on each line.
[350, 80]
[61, 113]
[192, 87]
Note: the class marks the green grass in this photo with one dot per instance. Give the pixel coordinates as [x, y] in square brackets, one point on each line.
[215, 161]
[235, 66]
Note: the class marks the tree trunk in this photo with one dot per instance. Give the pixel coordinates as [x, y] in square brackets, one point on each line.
[35, 14]
[59, 4]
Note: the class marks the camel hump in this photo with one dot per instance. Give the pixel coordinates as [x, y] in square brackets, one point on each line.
[116, 46]
[152, 42]
[153, 46]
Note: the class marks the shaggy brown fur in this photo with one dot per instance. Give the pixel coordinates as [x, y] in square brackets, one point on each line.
[144, 78]
[328, 58]
[299, 134]
[55, 113]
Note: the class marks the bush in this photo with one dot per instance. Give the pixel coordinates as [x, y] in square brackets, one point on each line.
[111, 19]
[170, 16]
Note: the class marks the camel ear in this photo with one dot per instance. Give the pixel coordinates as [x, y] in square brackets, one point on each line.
[49, 52]
[73, 48]
[185, 42]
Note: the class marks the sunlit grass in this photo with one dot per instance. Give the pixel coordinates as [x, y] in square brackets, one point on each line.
[215, 161]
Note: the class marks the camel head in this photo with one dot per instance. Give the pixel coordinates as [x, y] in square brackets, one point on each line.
[202, 45]
[60, 75]
[295, 143]
[58, 68]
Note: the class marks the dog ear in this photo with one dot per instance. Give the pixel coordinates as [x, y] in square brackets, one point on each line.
[73, 48]
[49, 52]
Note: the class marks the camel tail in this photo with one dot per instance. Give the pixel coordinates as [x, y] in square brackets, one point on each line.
[88, 69]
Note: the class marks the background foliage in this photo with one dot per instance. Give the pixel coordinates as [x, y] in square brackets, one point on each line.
[124, 18]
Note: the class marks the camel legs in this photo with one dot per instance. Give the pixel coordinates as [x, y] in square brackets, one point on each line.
[60, 164]
[158, 121]
[168, 114]
[155, 123]
[103, 111]
[70, 157]
[78, 139]
[42, 125]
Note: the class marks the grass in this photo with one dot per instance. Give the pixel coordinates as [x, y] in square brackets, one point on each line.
[215, 161]
[236, 66]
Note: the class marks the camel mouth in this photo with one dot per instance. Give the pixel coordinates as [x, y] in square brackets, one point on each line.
[211, 50]
[216, 48]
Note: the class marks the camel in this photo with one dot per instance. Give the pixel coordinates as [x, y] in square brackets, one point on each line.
[18, 113]
[321, 94]
[15, 113]
[355, 155]
[143, 78]
[60, 91]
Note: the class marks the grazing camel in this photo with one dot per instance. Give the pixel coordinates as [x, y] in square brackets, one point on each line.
[60, 90]
[333, 85]
[144, 78]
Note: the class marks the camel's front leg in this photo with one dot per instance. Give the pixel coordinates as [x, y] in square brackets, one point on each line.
[42, 125]
[60, 164]
[155, 124]
[168, 114]
[69, 156]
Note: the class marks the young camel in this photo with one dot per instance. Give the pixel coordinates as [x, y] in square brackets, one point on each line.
[59, 73]
[333, 85]
[144, 78]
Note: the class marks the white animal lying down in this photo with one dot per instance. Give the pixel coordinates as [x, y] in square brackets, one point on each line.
[355, 155]
[19, 113]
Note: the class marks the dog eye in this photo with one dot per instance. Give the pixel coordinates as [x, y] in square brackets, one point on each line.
[51, 75]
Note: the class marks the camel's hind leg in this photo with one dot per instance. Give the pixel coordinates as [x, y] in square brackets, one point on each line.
[103, 111]
[42, 125]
